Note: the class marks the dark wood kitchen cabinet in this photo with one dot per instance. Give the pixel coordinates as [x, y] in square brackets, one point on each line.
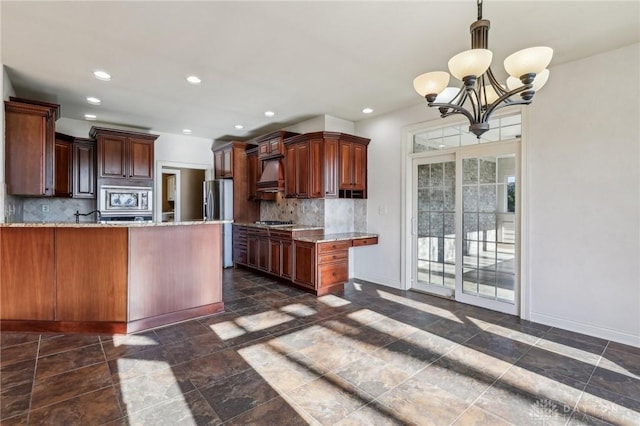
[63, 166]
[239, 244]
[303, 167]
[223, 162]
[30, 147]
[124, 158]
[353, 166]
[231, 162]
[74, 167]
[304, 260]
[326, 165]
[84, 168]
[271, 145]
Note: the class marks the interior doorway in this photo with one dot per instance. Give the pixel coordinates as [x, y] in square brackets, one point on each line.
[179, 188]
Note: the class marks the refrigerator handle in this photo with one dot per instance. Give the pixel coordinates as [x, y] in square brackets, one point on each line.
[205, 198]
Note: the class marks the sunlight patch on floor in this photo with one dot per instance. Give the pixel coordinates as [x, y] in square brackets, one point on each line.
[133, 340]
[424, 307]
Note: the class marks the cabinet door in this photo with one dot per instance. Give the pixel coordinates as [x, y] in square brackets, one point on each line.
[217, 162]
[29, 140]
[330, 161]
[253, 250]
[63, 154]
[84, 175]
[286, 256]
[140, 158]
[27, 274]
[316, 170]
[359, 167]
[227, 163]
[253, 174]
[263, 253]
[304, 264]
[346, 179]
[112, 157]
[302, 170]
[290, 172]
[275, 257]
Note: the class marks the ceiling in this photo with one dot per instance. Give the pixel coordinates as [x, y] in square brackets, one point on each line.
[299, 59]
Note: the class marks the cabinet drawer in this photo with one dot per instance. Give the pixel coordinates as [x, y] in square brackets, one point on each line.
[335, 256]
[240, 256]
[281, 235]
[333, 245]
[365, 241]
[333, 273]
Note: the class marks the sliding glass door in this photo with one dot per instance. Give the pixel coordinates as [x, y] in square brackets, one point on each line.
[435, 248]
[465, 224]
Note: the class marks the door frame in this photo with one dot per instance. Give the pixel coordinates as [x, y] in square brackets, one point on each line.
[170, 168]
[406, 209]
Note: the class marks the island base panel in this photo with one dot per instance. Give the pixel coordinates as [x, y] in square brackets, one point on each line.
[91, 327]
[173, 317]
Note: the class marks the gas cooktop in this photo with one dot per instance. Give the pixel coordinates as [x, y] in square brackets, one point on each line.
[273, 222]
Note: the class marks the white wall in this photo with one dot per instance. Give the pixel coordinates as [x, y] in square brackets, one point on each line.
[583, 161]
[381, 263]
[168, 146]
[323, 123]
[584, 193]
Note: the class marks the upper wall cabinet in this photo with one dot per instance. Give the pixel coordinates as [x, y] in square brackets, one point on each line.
[231, 162]
[124, 158]
[271, 145]
[74, 171]
[30, 147]
[326, 165]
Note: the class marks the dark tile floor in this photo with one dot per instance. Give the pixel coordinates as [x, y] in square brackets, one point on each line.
[368, 356]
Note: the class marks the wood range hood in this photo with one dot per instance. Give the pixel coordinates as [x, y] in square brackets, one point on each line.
[272, 178]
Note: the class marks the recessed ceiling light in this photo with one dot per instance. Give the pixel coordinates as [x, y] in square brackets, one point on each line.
[193, 79]
[102, 75]
[367, 110]
[269, 113]
[239, 126]
[186, 131]
[93, 100]
[90, 116]
[442, 146]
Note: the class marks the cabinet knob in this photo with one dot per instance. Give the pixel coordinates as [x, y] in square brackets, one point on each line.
[334, 256]
[333, 273]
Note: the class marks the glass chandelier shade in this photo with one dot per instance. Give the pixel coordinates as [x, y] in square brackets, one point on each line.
[481, 94]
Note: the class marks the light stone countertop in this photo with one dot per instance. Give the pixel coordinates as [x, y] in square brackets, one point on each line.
[293, 227]
[110, 225]
[336, 237]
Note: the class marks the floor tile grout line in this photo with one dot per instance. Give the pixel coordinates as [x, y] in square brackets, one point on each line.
[590, 376]
[113, 384]
[33, 381]
[494, 382]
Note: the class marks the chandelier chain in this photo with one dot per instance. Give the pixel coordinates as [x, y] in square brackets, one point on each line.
[479, 10]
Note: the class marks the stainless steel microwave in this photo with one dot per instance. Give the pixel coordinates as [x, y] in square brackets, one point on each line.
[118, 200]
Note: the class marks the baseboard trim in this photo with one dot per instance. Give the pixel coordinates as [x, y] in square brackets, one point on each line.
[378, 281]
[173, 317]
[585, 328]
[92, 327]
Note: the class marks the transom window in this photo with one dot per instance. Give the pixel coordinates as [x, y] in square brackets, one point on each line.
[502, 128]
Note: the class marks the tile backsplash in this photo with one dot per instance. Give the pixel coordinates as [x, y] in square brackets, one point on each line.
[60, 209]
[335, 215]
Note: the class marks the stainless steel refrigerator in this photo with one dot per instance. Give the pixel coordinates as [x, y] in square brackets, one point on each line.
[218, 205]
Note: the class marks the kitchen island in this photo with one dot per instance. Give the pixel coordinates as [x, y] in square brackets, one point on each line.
[108, 278]
[304, 256]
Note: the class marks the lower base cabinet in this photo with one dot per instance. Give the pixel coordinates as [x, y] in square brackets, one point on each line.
[304, 257]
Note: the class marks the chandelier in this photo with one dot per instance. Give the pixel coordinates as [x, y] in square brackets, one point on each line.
[480, 91]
